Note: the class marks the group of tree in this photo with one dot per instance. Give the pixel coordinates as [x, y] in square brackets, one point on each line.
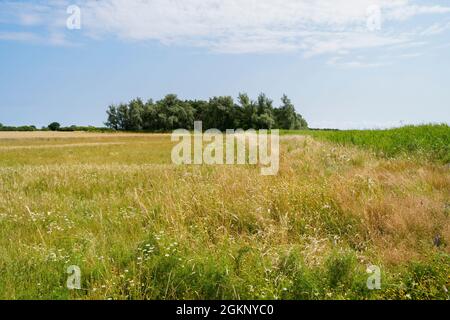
[19, 128]
[171, 113]
[54, 126]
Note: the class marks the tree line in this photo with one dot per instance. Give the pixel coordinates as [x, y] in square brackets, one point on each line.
[54, 126]
[171, 113]
[20, 128]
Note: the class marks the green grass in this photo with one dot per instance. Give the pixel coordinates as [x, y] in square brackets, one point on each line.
[141, 228]
[426, 141]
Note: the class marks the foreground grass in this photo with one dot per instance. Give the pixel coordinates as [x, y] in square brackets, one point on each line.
[141, 228]
[430, 142]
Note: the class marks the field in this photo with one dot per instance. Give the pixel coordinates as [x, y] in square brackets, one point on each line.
[139, 227]
[430, 142]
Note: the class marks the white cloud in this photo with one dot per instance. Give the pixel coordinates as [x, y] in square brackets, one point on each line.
[311, 27]
[406, 12]
[436, 28]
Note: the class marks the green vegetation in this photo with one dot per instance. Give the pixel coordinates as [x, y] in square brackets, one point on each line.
[74, 128]
[54, 126]
[425, 141]
[172, 113]
[220, 113]
[21, 128]
[141, 228]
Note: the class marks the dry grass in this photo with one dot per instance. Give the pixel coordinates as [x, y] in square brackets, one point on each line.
[141, 228]
[15, 135]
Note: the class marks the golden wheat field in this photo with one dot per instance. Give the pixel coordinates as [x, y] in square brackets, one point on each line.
[139, 227]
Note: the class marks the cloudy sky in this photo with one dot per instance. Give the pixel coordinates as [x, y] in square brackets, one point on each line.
[344, 63]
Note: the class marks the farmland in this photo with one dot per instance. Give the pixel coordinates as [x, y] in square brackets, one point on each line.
[429, 142]
[140, 227]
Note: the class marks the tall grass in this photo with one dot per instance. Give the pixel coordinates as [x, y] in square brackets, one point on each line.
[142, 228]
[426, 141]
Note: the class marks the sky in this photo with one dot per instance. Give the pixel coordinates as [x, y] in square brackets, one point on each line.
[347, 64]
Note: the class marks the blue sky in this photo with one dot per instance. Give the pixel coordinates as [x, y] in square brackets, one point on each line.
[344, 63]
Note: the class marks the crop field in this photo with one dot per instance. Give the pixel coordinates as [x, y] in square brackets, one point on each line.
[139, 227]
[430, 142]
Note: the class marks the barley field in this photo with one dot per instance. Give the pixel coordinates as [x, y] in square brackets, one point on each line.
[139, 227]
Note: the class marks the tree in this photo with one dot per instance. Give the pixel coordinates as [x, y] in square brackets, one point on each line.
[134, 115]
[265, 118]
[54, 126]
[301, 122]
[147, 116]
[287, 118]
[248, 112]
[122, 116]
[222, 113]
[170, 113]
[113, 120]
[265, 121]
[200, 108]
